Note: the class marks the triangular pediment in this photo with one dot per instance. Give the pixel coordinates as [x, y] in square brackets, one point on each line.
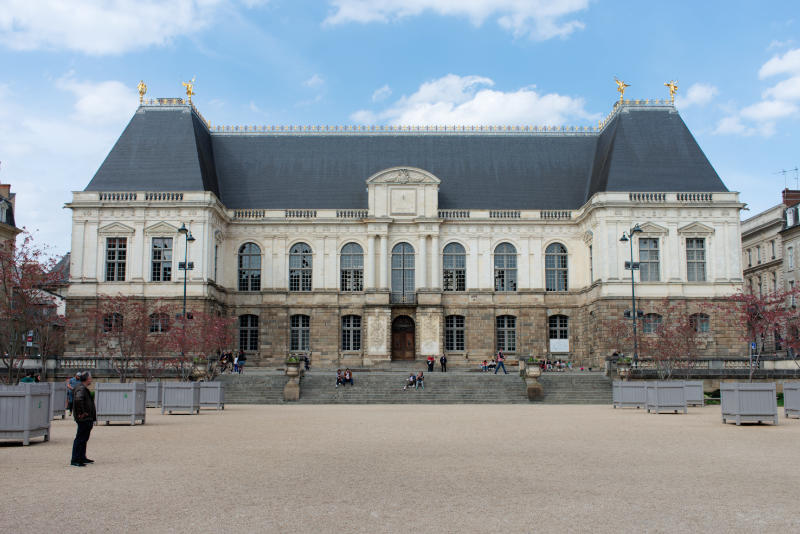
[696, 228]
[161, 228]
[652, 228]
[403, 175]
[115, 228]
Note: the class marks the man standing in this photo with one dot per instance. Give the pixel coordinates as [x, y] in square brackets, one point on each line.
[83, 411]
[500, 360]
[443, 362]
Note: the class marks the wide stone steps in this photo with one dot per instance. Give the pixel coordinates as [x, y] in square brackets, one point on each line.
[575, 388]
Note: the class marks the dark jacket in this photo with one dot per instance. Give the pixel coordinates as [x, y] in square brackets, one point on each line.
[83, 404]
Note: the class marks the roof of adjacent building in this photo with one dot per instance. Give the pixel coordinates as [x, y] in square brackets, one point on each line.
[8, 212]
[641, 149]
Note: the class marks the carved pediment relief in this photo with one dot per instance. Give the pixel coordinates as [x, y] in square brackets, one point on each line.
[696, 228]
[115, 228]
[588, 236]
[403, 175]
[161, 228]
[219, 236]
[653, 229]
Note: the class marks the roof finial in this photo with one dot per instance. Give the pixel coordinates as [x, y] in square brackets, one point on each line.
[621, 88]
[142, 87]
[673, 88]
[189, 89]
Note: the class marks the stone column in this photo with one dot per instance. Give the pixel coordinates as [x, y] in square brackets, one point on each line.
[436, 276]
[370, 265]
[384, 263]
[422, 264]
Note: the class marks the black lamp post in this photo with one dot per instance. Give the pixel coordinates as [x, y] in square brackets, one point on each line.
[632, 266]
[183, 230]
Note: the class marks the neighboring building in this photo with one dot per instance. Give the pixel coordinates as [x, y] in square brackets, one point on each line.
[362, 245]
[762, 251]
[790, 241]
[8, 229]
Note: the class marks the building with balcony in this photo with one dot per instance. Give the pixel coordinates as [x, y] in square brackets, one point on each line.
[361, 245]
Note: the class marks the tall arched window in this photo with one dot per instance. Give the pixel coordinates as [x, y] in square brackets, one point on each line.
[403, 273]
[300, 332]
[249, 267]
[506, 333]
[454, 333]
[505, 267]
[352, 267]
[248, 332]
[300, 267]
[650, 323]
[159, 323]
[454, 268]
[351, 333]
[555, 267]
[701, 322]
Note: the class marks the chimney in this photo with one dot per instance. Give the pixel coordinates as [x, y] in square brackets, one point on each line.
[5, 190]
[791, 197]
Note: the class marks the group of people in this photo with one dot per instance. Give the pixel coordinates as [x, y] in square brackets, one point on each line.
[231, 362]
[415, 381]
[343, 378]
[497, 363]
[442, 362]
[31, 377]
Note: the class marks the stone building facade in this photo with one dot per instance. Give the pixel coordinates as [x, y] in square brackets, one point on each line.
[8, 229]
[365, 245]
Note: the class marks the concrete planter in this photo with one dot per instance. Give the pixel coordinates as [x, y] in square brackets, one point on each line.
[791, 399]
[212, 395]
[629, 394]
[58, 400]
[745, 401]
[694, 393]
[120, 402]
[155, 393]
[181, 397]
[666, 396]
[25, 412]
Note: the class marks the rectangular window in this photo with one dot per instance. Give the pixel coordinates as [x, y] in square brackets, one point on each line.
[248, 332]
[507, 333]
[649, 266]
[591, 265]
[758, 253]
[116, 256]
[351, 333]
[300, 332]
[790, 253]
[162, 259]
[216, 261]
[772, 246]
[558, 327]
[696, 259]
[749, 257]
[454, 333]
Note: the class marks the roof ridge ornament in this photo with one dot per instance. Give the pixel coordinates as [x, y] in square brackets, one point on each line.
[142, 87]
[189, 89]
[673, 88]
[621, 88]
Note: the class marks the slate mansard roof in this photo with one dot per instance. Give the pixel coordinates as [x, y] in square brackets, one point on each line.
[640, 149]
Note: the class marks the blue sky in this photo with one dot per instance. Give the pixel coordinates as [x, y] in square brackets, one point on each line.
[70, 69]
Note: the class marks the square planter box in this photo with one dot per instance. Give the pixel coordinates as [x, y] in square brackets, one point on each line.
[212, 395]
[791, 399]
[25, 412]
[629, 394]
[181, 397]
[155, 393]
[744, 401]
[58, 400]
[120, 402]
[694, 393]
[666, 396]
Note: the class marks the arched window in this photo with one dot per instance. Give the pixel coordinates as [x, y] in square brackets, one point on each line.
[249, 267]
[248, 332]
[112, 322]
[507, 333]
[454, 333]
[300, 268]
[650, 323]
[700, 322]
[351, 333]
[454, 268]
[352, 267]
[505, 267]
[403, 273]
[300, 332]
[555, 267]
[159, 323]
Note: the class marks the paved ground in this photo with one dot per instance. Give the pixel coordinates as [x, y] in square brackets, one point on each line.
[411, 468]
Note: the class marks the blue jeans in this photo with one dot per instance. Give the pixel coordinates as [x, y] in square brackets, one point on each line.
[499, 365]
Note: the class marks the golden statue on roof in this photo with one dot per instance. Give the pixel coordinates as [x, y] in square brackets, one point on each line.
[189, 89]
[142, 87]
[621, 87]
[673, 88]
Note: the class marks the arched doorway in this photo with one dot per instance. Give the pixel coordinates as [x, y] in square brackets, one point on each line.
[403, 338]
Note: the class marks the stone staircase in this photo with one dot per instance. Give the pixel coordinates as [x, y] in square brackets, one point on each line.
[386, 387]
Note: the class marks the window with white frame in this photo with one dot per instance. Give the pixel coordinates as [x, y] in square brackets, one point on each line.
[772, 247]
[651, 322]
[758, 253]
[649, 261]
[505, 267]
[249, 267]
[454, 268]
[352, 267]
[116, 258]
[555, 267]
[300, 264]
[351, 333]
[161, 253]
[701, 322]
[454, 333]
[790, 253]
[696, 259]
[300, 332]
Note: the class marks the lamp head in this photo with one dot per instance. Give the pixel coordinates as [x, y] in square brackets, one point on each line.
[190, 238]
[624, 238]
[182, 229]
[636, 229]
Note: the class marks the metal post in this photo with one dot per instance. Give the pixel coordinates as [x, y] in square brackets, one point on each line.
[186, 274]
[633, 304]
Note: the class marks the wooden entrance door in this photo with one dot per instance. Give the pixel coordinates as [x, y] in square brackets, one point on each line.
[403, 338]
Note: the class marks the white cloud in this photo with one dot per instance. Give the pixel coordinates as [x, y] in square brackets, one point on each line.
[538, 19]
[101, 102]
[780, 44]
[784, 90]
[470, 100]
[382, 93]
[789, 63]
[699, 94]
[103, 27]
[732, 125]
[768, 110]
[315, 81]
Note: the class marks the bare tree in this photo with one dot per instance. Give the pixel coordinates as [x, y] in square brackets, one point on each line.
[198, 342]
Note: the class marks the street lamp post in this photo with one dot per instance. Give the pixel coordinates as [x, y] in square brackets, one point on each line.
[188, 233]
[632, 266]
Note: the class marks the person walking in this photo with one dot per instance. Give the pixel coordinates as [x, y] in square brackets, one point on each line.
[83, 411]
[500, 360]
[242, 360]
[236, 364]
[443, 363]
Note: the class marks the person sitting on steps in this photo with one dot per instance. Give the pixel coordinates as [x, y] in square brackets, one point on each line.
[420, 381]
[348, 376]
[410, 382]
[339, 378]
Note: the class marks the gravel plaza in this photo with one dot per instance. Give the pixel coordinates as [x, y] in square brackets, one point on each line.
[428, 468]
